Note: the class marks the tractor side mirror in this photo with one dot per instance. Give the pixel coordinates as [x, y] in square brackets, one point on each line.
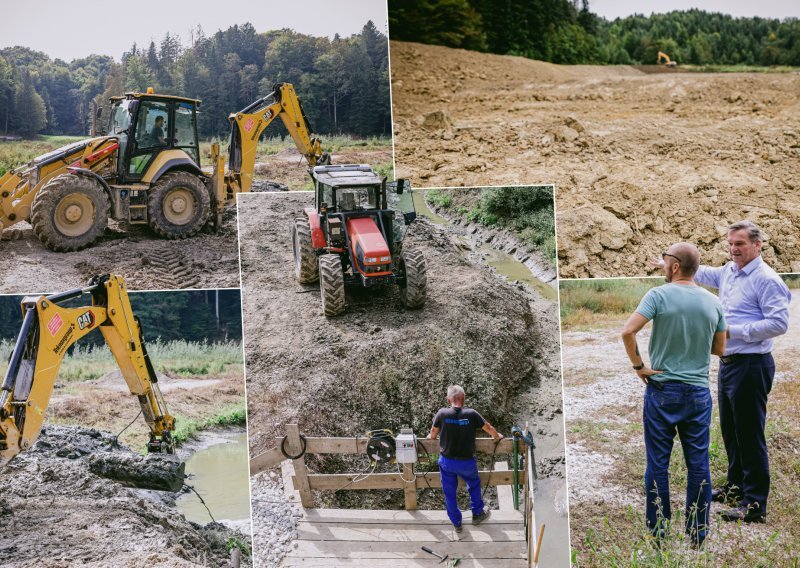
[409, 217]
[402, 185]
[99, 113]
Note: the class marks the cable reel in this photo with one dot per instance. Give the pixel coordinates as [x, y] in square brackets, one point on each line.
[381, 447]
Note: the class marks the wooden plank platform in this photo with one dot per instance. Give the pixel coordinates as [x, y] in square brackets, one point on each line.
[353, 537]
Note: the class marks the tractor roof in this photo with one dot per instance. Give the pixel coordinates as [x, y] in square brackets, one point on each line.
[157, 97]
[346, 175]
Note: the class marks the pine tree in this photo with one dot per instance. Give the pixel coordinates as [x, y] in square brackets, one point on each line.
[30, 115]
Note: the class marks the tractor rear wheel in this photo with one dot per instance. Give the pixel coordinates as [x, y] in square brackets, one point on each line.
[178, 205]
[306, 269]
[331, 285]
[414, 292]
[70, 212]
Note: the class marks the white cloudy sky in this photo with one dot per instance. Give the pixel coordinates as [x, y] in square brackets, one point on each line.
[611, 9]
[77, 28]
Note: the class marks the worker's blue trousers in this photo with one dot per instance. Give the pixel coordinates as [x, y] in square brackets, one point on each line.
[450, 470]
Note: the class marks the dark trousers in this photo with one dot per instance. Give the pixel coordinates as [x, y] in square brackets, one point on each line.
[685, 409]
[744, 383]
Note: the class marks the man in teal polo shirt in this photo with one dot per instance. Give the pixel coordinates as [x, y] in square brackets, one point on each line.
[688, 326]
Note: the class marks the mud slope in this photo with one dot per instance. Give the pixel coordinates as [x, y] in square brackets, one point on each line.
[639, 160]
[379, 364]
[56, 513]
[146, 261]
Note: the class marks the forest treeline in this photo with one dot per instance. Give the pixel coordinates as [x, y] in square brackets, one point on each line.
[196, 315]
[343, 83]
[566, 31]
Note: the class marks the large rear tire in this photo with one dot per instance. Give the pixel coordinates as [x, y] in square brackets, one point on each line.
[70, 212]
[178, 205]
[306, 268]
[331, 285]
[413, 294]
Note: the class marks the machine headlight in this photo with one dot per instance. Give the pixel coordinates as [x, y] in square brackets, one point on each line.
[371, 259]
[386, 259]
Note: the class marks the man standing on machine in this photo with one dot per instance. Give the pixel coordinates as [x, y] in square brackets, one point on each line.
[457, 426]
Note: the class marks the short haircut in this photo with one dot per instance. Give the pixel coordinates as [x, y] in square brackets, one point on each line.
[754, 232]
[689, 258]
[455, 391]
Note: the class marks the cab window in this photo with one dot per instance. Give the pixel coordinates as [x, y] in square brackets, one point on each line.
[185, 129]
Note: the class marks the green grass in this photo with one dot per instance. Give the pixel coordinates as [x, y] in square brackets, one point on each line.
[174, 358]
[526, 211]
[330, 143]
[18, 152]
[583, 299]
[186, 428]
[439, 198]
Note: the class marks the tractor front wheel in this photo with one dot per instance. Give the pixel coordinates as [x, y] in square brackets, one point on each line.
[414, 292]
[331, 285]
[70, 212]
[178, 205]
[306, 269]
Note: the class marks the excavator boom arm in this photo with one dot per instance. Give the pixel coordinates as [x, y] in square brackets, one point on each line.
[47, 332]
[248, 124]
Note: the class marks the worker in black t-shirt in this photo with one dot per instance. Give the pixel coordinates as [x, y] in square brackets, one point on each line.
[457, 426]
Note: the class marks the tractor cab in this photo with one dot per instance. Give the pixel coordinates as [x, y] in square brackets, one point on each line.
[354, 237]
[147, 126]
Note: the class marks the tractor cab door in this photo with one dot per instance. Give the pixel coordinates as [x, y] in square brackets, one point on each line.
[119, 125]
[401, 202]
[184, 135]
[151, 134]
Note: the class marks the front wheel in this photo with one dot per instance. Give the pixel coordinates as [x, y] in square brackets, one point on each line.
[413, 294]
[70, 212]
[331, 285]
[178, 205]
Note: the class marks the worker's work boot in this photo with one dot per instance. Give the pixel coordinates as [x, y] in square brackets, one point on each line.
[744, 513]
[478, 519]
[459, 529]
[727, 495]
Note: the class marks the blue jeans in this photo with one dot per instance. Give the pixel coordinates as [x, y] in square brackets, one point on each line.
[685, 409]
[450, 470]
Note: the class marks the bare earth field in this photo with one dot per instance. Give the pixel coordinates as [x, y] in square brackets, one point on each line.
[639, 160]
[147, 262]
[606, 460]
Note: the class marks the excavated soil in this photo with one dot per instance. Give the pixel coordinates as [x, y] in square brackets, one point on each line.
[381, 366]
[54, 512]
[639, 160]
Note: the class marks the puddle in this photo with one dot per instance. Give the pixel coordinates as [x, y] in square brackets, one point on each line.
[421, 207]
[550, 507]
[513, 269]
[219, 473]
[505, 264]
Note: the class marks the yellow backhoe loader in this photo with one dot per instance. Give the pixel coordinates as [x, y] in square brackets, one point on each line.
[146, 170]
[48, 329]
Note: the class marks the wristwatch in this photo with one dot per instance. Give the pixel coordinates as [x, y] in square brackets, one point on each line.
[638, 367]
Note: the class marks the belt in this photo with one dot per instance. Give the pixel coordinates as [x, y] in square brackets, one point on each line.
[727, 359]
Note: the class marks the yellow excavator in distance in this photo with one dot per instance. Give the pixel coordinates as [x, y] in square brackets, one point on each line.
[664, 59]
[146, 170]
[48, 329]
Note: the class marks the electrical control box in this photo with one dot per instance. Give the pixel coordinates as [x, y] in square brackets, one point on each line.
[406, 446]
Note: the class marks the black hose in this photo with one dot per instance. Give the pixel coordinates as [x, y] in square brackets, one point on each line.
[116, 438]
[302, 450]
[186, 485]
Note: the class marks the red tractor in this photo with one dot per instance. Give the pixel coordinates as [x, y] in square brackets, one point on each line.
[354, 237]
